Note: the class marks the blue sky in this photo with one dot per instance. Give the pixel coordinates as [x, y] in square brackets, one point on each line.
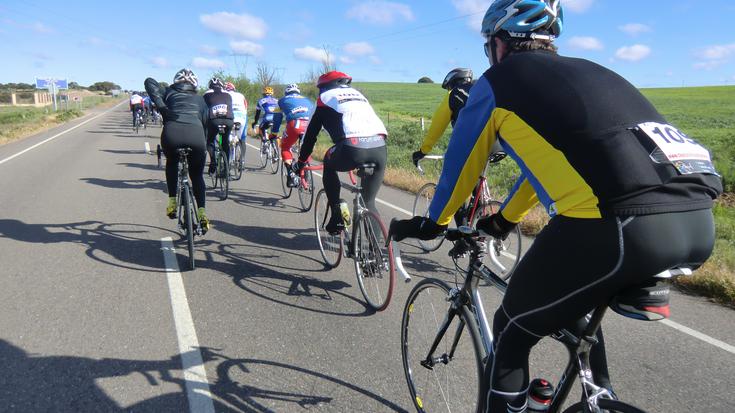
[650, 42]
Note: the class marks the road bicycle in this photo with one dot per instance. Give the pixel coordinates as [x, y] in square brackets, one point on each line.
[186, 206]
[159, 156]
[502, 254]
[237, 153]
[221, 176]
[138, 120]
[270, 154]
[365, 240]
[446, 340]
[305, 185]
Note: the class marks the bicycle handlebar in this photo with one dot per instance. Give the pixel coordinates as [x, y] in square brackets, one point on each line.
[431, 157]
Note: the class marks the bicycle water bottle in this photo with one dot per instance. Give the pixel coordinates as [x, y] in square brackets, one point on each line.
[344, 210]
[540, 393]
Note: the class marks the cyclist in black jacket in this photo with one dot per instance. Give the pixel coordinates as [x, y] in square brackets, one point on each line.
[185, 115]
[219, 102]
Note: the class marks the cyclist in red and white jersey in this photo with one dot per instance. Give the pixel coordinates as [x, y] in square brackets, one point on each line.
[136, 104]
[239, 108]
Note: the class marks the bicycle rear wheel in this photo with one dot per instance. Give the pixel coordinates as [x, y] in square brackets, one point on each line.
[284, 183]
[503, 255]
[612, 406]
[189, 223]
[306, 191]
[223, 175]
[451, 380]
[373, 261]
[330, 246]
[421, 208]
[275, 158]
[264, 151]
[235, 163]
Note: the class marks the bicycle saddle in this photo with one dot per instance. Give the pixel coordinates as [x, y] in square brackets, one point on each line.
[648, 300]
[366, 168]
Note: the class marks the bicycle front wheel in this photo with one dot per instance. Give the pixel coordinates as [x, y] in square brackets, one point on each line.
[330, 246]
[189, 223]
[421, 208]
[373, 261]
[223, 175]
[607, 405]
[449, 378]
[306, 191]
[274, 156]
[235, 168]
[503, 255]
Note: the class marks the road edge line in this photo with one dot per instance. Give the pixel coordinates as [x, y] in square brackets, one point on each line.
[701, 336]
[195, 375]
[58, 134]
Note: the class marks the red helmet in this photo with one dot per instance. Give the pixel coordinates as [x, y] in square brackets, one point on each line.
[229, 86]
[335, 77]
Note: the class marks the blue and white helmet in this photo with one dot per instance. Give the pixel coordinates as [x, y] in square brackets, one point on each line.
[533, 19]
[186, 75]
[291, 88]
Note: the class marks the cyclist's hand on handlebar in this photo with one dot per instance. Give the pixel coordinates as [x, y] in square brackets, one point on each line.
[298, 166]
[495, 226]
[416, 157]
[422, 228]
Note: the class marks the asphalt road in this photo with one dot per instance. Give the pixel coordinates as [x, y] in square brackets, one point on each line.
[92, 318]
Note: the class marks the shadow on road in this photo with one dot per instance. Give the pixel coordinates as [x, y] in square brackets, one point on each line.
[35, 382]
[129, 183]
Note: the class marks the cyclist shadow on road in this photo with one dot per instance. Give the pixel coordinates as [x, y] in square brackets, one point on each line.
[269, 202]
[82, 384]
[121, 245]
[156, 184]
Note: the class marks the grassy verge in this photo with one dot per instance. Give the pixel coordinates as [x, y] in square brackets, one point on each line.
[17, 122]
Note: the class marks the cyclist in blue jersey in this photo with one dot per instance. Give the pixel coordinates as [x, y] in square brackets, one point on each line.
[266, 106]
[147, 105]
[297, 109]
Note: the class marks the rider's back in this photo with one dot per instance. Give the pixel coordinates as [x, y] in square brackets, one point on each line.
[181, 102]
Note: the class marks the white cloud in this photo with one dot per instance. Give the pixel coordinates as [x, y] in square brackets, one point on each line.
[204, 63]
[94, 41]
[209, 50]
[634, 29]
[242, 26]
[246, 47]
[717, 52]
[633, 53]
[358, 48]
[346, 60]
[577, 6]
[585, 43]
[375, 60]
[708, 65]
[475, 8]
[39, 27]
[313, 54]
[159, 61]
[380, 12]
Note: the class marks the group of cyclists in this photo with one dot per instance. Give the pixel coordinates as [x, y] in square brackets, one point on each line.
[143, 107]
[628, 194]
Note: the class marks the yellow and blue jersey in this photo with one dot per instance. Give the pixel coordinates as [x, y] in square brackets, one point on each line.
[570, 125]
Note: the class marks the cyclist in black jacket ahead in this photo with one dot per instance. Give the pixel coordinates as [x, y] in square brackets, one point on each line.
[219, 102]
[630, 196]
[185, 115]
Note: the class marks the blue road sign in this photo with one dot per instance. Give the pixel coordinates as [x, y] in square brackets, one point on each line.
[45, 83]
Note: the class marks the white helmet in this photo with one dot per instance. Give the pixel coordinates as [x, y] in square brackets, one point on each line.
[186, 75]
[291, 88]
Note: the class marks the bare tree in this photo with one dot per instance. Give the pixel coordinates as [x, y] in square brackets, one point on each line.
[328, 64]
[265, 75]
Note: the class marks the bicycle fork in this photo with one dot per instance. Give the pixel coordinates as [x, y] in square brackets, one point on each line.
[430, 361]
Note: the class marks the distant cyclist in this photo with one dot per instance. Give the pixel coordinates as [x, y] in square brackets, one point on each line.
[630, 196]
[266, 106]
[239, 108]
[185, 117]
[297, 110]
[136, 104]
[219, 102]
[358, 135]
[458, 83]
[147, 103]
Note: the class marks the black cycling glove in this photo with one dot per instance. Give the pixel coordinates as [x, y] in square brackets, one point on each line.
[495, 226]
[298, 166]
[422, 228]
[416, 157]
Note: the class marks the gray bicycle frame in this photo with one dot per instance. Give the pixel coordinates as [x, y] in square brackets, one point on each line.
[185, 185]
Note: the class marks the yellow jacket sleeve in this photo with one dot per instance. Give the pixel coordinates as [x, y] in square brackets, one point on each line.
[521, 199]
[439, 122]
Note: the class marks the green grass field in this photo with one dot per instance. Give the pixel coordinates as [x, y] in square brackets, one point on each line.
[707, 114]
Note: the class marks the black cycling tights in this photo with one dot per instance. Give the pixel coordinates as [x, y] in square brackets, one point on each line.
[572, 267]
[179, 135]
[343, 157]
[212, 131]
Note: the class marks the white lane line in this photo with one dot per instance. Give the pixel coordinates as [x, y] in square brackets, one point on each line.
[380, 201]
[696, 334]
[59, 134]
[676, 326]
[195, 376]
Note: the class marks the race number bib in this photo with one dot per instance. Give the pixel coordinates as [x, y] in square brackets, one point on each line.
[687, 156]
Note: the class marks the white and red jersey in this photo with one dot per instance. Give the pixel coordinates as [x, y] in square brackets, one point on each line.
[136, 100]
[358, 119]
[239, 104]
